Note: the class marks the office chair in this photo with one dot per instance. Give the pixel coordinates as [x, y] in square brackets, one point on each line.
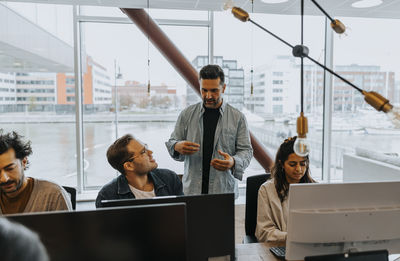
[253, 183]
[72, 192]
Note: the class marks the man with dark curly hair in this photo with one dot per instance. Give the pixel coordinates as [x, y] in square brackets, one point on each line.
[21, 194]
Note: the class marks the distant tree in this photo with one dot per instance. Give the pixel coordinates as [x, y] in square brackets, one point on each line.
[176, 101]
[154, 101]
[126, 100]
[144, 103]
[165, 102]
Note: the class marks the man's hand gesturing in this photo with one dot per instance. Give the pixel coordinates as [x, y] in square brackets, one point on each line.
[222, 165]
[187, 147]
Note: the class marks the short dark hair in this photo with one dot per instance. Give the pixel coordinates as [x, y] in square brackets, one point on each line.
[212, 71]
[117, 153]
[15, 141]
[18, 243]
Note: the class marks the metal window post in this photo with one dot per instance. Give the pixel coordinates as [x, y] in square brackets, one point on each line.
[116, 99]
[78, 101]
[210, 37]
[328, 90]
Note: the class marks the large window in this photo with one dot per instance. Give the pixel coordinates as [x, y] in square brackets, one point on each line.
[369, 59]
[119, 53]
[37, 85]
[36, 53]
[271, 117]
[38, 95]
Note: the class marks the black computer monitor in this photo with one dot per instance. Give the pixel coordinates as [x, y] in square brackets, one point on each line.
[156, 232]
[210, 221]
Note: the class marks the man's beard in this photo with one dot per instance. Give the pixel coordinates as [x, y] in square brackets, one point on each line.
[213, 104]
[18, 183]
[143, 173]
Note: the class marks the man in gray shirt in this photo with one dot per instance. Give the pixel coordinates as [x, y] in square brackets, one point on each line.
[212, 138]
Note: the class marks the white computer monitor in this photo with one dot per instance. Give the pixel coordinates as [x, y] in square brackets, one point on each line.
[336, 218]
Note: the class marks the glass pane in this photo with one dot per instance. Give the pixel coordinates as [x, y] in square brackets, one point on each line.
[36, 65]
[119, 54]
[274, 105]
[154, 13]
[101, 11]
[178, 14]
[364, 139]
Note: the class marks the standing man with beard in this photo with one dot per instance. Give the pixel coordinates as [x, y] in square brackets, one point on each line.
[140, 177]
[212, 138]
[21, 194]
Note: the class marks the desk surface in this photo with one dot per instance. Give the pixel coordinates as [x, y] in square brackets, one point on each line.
[255, 252]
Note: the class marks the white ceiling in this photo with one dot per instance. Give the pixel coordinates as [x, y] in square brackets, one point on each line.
[335, 8]
[24, 46]
[13, 59]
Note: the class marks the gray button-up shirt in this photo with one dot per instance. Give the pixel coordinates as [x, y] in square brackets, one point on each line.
[231, 136]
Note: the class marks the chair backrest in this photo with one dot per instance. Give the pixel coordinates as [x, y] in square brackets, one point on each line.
[72, 192]
[253, 183]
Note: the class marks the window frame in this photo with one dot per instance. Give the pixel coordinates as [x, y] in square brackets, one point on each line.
[78, 20]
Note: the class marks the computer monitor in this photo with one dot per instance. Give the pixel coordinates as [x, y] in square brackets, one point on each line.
[379, 255]
[337, 218]
[156, 232]
[210, 223]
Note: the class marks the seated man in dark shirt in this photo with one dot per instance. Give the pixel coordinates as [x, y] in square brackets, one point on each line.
[140, 177]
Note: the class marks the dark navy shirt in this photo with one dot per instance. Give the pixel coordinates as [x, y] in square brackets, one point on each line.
[166, 183]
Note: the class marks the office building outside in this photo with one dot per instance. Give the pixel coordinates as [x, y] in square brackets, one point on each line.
[36, 91]
[346, 98]
[134, 95]
[101, 89]
[7, 92]
[276, 88]
[97, 89]
[55, 92]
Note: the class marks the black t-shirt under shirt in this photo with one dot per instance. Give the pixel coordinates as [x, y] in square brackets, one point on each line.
[210, 120]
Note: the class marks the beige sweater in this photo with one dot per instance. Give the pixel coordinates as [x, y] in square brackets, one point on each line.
[271, 214]
[47, 196]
